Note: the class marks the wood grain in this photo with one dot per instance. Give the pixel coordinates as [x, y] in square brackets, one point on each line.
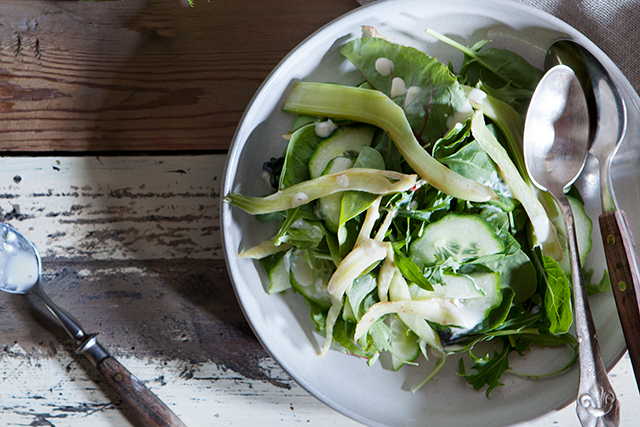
[141, 75]
[149, 410]
[621, 256]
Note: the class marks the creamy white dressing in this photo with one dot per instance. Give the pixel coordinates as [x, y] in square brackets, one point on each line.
[302, 272]
[299, 223]
[398, 87]
[384, 66]
[542, 228]
[476, 97]
[343, 181]
[339, 164]
[498, 184]
[326, 128]
[18, 267]
[412, 94]
[460, 116]
[266, 177]
[299, 199]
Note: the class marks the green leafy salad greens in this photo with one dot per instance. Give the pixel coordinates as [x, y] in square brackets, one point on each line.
[407, 221]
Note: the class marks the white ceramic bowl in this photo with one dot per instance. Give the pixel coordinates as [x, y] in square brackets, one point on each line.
[372, 395]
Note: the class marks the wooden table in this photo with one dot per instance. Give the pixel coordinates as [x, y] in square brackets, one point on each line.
[115, 118]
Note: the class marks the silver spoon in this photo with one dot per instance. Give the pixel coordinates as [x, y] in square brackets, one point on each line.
[20, 267]
[556, 142]
[608, 121]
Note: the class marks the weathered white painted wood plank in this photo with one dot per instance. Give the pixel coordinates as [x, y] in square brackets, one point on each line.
[115, 207]
[113, 230]
[58, 391]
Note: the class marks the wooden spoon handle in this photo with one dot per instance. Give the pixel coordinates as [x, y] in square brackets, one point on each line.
[622, 262]
[149, 409]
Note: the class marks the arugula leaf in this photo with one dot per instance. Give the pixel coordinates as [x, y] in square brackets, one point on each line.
[440, 94]
[489, 368]
[301, 229]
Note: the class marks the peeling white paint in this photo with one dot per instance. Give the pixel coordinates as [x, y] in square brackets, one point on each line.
[155, 207]
[59, 392]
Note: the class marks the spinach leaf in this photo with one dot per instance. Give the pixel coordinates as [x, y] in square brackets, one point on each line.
[355, 202]
[302, 145]
[411, 271]
[595, 288]
[369, 158]
[393, 160]
[509, 73]
[499, 67]
[360, 288]
[557, 297]
[465, 156]
[302, 120]
[439, 96]
[514, 265]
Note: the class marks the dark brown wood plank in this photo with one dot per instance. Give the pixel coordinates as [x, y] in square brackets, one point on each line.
[141, 74]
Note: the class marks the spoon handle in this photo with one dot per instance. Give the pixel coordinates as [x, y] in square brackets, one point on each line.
[596, 403]
[149, 409]
[622, 263]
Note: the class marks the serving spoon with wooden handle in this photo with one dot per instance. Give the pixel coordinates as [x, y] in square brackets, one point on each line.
[20, 267]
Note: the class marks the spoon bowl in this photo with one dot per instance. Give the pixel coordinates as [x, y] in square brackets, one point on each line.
[557, 143]
[19, 262]
[607, 110]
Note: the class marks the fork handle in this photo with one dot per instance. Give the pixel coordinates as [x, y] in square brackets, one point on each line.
[622, 262]
[149, 409]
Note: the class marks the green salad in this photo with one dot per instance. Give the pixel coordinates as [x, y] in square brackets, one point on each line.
[406, 220]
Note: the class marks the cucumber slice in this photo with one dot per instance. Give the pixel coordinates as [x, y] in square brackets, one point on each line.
[583, 226]
[331, 205]
[335, 154]
[346, 141]
[475, 310]
[457, 287]
[459, 236]
[311, 280]
[277, 268]
[404, 344]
